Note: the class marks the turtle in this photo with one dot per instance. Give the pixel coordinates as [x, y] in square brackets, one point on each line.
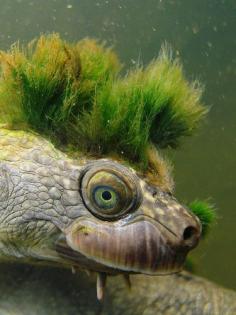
[85, 183]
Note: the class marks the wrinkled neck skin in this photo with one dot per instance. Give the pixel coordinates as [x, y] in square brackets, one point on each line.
[44, 291]
[33, 178]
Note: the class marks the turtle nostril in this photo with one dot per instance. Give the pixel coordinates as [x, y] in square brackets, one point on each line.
[189, 232]
[190, 236]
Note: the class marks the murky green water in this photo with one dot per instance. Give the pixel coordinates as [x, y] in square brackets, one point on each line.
[202, 32]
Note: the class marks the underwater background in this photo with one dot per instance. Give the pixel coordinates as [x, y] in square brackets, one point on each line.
[202, 33]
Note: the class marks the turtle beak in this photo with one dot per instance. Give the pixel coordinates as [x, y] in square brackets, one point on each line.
[75, 259]
[153, 240]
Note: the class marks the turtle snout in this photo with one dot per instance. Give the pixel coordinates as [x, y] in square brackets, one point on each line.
[187, 229]
[179, 222]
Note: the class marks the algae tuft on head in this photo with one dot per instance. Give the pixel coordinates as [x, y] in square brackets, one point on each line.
[75, 95]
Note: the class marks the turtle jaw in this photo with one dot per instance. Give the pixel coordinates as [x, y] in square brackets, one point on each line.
[136, 244]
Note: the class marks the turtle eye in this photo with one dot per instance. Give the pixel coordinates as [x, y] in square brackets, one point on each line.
[105, 197]
[108, 194]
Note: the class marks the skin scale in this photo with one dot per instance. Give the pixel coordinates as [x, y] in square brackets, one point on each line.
[177, 294]
[41, 290]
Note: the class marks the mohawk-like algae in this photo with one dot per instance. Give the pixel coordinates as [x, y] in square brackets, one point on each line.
[75, 95]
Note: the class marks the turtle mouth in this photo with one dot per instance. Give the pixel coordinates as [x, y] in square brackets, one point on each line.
[139, 246]
[77, 260]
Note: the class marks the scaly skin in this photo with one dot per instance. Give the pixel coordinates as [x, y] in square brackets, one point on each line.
[43, 203]
[43, 291]
[42, 214]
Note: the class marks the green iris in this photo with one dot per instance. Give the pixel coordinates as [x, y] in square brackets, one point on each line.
[105, 197]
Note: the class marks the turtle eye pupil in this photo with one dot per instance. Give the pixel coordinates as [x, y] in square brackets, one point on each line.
[106, 195]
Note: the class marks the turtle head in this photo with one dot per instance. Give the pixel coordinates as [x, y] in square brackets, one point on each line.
[100, 215]
[128, 224]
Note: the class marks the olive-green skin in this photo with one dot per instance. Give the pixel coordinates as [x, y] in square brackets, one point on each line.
[44, 291]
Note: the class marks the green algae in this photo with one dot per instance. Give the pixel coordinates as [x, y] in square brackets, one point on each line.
[75, 94]
[206, 213]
